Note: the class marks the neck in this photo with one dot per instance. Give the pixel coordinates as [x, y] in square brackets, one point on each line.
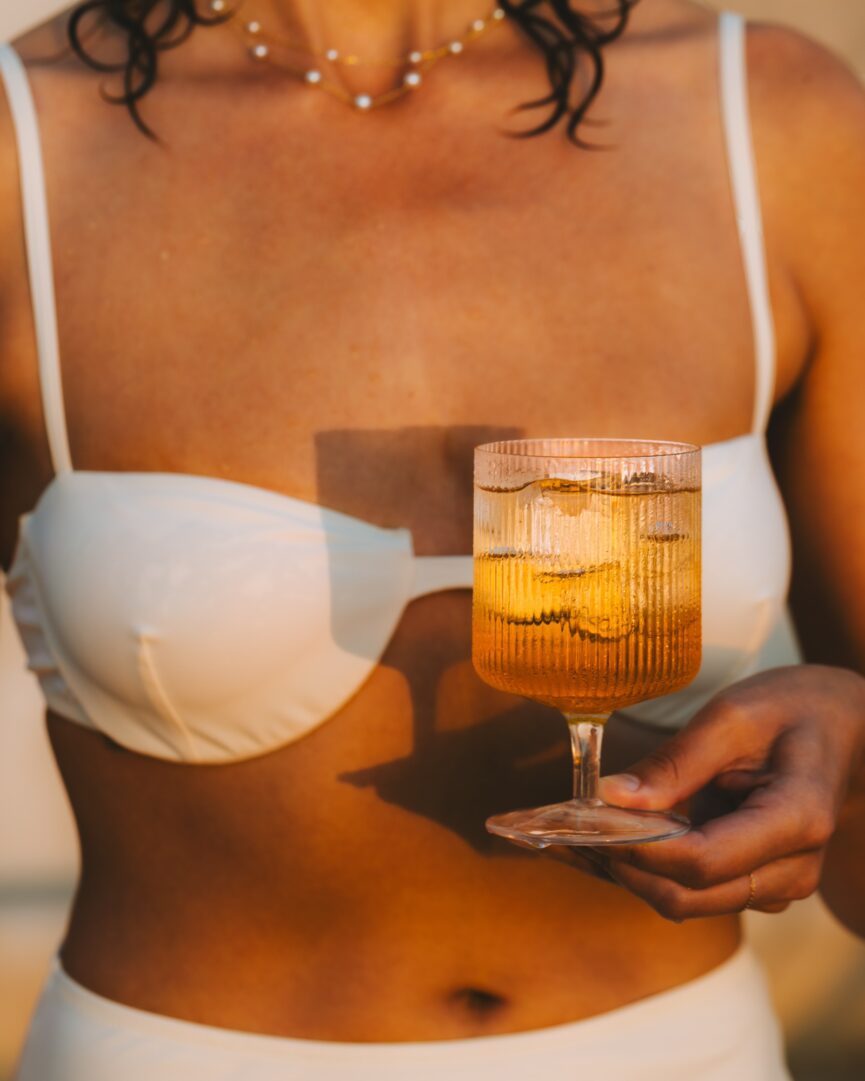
[369, 27]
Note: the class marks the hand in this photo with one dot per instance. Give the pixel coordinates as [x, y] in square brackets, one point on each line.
[783, 745]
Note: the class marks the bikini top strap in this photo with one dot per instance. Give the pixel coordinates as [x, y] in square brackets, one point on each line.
[37, 235]
[746, 197]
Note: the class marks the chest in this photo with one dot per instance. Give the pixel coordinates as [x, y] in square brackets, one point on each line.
[343, 318]
[269, 310]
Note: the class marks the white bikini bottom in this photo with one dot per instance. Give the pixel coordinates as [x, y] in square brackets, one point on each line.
[719, 1027]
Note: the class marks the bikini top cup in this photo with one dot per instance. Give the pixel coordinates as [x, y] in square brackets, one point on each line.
[202, 620]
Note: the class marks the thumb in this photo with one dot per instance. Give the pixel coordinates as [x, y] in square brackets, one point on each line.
[678, 768]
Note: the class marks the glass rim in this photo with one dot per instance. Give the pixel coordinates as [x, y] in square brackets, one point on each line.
[661, 448]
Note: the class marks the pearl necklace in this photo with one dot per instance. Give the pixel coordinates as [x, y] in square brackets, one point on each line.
[260, 47]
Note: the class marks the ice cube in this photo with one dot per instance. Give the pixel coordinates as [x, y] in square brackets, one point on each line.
[650, 483]
[594, 602]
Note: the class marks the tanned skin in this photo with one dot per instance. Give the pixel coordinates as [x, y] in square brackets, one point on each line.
[338, 308]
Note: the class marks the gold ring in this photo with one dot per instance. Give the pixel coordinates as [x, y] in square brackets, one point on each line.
[752, 891]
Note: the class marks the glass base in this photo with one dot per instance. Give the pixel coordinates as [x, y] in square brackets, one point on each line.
[589, 822]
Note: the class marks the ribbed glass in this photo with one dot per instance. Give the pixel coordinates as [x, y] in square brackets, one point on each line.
[587, 570]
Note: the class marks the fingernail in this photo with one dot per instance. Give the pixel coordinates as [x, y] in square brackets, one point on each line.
[624, 780]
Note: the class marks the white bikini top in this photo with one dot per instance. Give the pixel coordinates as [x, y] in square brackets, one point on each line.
[203, 620]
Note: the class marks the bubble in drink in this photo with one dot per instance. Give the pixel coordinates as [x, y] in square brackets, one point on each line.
[587, 589]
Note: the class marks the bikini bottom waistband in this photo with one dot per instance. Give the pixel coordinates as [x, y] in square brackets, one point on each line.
[718, 1027]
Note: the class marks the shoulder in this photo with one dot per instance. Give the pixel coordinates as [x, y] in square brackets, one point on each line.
[23, 453]
[41, 50]
[808, 111]
[803, 91]
[787, 65]
[11, 243]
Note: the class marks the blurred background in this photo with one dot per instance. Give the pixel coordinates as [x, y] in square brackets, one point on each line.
[817, 970]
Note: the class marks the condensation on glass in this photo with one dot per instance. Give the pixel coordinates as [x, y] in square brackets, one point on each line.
[587, 574]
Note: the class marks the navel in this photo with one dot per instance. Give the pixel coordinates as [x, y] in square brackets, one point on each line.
[477, 1001]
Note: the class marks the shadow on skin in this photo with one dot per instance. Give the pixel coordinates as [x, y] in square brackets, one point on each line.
[460, 778]
[461, 769]
[418, 479]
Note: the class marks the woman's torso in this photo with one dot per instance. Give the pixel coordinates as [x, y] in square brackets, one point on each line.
[260, 303]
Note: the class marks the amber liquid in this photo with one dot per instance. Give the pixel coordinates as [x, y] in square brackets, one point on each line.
[587, 590]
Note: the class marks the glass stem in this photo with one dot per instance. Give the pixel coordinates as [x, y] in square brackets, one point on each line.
[587, 733]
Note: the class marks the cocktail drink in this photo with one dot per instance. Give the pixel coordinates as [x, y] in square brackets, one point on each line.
[587, 598]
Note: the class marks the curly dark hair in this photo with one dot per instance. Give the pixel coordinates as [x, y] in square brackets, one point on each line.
[152, 26]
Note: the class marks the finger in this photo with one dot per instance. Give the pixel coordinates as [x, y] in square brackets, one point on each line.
[788, 817]
[720, 738]
[583, 859]
[773, 910]
[743, 780]
[775, 886]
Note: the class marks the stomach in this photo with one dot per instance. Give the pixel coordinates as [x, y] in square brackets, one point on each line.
[343, 887]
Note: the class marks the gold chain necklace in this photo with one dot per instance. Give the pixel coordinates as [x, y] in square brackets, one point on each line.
[261, 46]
